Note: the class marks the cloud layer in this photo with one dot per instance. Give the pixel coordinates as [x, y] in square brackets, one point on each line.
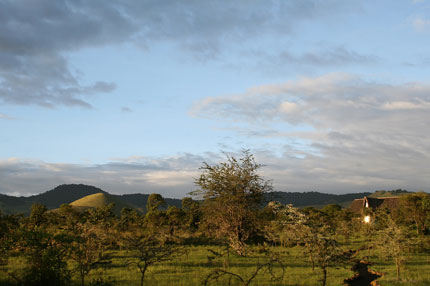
[37, 37]
[351, 134]
[357, 133]
[171, 176]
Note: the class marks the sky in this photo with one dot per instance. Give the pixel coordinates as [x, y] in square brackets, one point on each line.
[133, 96]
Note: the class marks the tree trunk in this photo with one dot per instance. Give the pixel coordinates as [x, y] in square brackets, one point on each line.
[311, 257]
[142, 271]
[417, 226]
[398, 269]
[324, 280]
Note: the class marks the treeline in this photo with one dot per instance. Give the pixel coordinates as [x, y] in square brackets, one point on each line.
[57, 245]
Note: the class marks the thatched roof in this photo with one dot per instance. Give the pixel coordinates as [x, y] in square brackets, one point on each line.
[358, 205]
[391, 203]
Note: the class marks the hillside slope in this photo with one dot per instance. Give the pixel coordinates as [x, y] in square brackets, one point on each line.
[99, 200]
[66, 194]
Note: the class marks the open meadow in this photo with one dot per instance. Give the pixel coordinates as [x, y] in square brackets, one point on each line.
[192, 267]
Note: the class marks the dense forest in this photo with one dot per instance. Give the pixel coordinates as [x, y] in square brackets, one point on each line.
[225, 234]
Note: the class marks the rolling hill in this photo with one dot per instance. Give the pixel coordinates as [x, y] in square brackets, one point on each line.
[99, 200]
[66, 194]
[80, 194]
[393, 193]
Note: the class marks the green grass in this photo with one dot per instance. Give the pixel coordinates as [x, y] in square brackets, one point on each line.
[192, 269]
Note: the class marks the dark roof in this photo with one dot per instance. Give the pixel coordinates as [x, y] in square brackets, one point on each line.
[358, 205]
[374, 202]
[391, 203]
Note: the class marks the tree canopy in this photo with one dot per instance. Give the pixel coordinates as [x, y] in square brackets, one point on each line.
[232, 192]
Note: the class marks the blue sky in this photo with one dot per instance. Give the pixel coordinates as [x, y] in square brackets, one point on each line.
[132, 96]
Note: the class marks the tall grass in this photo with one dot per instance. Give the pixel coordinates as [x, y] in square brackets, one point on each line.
[191, 269]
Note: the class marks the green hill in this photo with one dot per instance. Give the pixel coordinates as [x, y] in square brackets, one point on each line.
[11, 204]
[80, 194]
[99, 200]
[63, 194]
[67, 194]
[393, 193]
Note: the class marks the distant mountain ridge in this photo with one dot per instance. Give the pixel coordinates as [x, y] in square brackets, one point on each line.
[66, 194]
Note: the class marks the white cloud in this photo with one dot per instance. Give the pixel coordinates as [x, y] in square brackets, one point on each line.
[4, 116]
[36, 37]
[329, 101]
[288, 107]
[351, 134]
[399, 105]
[421, 24]
[170, 176]
[359, 134]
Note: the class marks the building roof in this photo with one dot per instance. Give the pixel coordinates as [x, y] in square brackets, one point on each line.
[358, 205]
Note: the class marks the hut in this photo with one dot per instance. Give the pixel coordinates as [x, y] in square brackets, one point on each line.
[359, 205]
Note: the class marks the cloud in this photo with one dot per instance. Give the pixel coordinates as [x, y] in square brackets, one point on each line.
[36, 38]
[4, 116]
[356, 134]
[421, 24]
[327, 101]
[170, 176]
[126, 109]
[349, 163]
[335, 56]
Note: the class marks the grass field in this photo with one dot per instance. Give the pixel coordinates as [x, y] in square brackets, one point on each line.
[192, 268]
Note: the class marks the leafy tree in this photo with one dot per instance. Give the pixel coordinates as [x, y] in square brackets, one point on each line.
[265, 265]
[192, 212]
[283, 227]
[102, 221]
[332, 210]
[44, 250]
[38, 215]
[321, 245]
[46, 256]
[175, 219]
[148, 249]
[417, 208]
[129, 218]
[232, 193]
[310, 230]
[155, 219]
[66, 220]
[9, 226]
[86, 251]
[155, 201]
[347, 225]
[393, 241]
